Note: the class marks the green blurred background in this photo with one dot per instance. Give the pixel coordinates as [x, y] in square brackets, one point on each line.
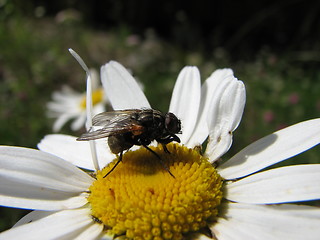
[273, 47]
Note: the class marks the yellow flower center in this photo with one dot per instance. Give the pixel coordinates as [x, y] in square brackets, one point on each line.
[97, 97]
[141, 200]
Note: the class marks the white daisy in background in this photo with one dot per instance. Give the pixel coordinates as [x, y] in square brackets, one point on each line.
[68, 104]
[140, 200]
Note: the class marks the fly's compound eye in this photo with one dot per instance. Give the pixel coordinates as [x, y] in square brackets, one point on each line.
[173, 124]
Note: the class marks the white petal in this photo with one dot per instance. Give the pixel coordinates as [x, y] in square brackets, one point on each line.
[76, 152]
[121, 88]
[98, 108]
[224, 117]
[33, 216]
[66, 224]
[208, 91]
[198, 236]
[95, 78]
[272, 149]
[93, 231]
[260, 222]
[203, 237]
[61, 120]
[78, 122]
[185, 100]
[36, 180]
[280, 185]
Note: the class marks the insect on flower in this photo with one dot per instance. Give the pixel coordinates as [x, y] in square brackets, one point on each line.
[125, 128]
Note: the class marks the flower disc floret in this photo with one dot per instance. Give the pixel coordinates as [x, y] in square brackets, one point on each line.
[141, 200]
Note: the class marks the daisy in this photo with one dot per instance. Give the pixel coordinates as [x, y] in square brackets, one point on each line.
[140, 200]
[69, 104]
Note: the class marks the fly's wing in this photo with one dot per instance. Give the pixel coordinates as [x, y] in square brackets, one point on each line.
[109, 118]
[113, 123]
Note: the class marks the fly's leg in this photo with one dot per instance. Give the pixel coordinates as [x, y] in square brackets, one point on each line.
[166, 168]
[167, 140]
[119, 160]
[150, 150]
[165, 148]
[161, 161]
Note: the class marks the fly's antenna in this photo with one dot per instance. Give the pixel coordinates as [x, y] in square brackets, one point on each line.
[88, 106]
